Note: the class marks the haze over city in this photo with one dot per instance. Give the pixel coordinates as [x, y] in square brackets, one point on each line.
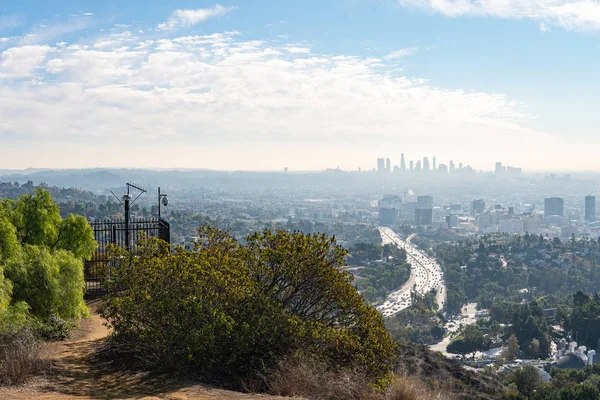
[315, 85]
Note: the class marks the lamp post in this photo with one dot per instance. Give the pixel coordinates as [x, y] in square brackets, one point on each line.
[162, 198]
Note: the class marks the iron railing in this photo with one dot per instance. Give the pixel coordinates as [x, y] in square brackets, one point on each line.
[119, 233]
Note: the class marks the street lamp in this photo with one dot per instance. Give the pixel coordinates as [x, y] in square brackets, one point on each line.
[162, 198]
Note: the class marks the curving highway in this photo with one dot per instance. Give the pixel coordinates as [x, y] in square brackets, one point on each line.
[425, 276]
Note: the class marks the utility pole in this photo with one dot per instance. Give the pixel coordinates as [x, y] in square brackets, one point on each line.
[126, 203]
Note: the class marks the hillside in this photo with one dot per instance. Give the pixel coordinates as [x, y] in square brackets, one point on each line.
[75, 373]
[439, 372]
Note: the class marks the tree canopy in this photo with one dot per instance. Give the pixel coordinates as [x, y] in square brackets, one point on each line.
[41, 262]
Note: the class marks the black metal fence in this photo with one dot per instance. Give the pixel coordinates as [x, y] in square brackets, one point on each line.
[117, 232]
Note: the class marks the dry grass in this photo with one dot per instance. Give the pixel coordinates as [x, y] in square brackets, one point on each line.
[20, 358]
[411, 388]
[313, 380]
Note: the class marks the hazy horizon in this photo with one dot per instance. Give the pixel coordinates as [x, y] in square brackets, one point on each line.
[263, 86]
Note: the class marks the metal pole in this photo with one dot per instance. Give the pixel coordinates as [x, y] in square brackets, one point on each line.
[126, 205]
[159, 202]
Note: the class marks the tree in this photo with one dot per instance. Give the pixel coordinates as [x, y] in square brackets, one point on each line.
[76, 236]
[584, 320]
[41, 263]
[459, 346]
[527, 379]
[512, 348]
[36, 218]
[534, 348]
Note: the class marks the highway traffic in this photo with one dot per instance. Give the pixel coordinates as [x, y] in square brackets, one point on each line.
[426, 275]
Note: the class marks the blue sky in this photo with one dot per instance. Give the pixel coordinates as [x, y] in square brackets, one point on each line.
[308, 85]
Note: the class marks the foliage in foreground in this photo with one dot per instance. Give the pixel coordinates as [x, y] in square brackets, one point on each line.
[41, 265]
[314, 380]
[228, 311]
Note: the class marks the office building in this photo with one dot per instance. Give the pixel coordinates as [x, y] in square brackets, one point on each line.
[425, 164]
[452, 221]
[411, 165]
[512, 226]
[569, 231]
[402, 163]
[477, 207]
[418, 165]
[423, 216]
[532, 224]
[380, 165]
[590, 208]
[452, 167]
[387, 216]
[424, 202]
[499, 170]
[513, 171]
[434, 165]
[388, 209]
[443, 168]
[554, 206]
[388, 165]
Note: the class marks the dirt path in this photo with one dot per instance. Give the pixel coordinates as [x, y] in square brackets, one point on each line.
[75, 375]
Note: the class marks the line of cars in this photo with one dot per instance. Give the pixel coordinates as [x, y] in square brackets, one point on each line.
[426, 275]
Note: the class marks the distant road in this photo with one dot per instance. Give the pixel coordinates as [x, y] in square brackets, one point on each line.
[425, 275]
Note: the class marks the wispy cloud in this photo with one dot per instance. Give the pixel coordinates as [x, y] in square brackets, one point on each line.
[572, 15]
[45, 33]
[10, 21]
[544, 28]
[401, 53]
[192, 17]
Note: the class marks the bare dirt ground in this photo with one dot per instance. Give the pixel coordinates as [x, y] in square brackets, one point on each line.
[73, 374]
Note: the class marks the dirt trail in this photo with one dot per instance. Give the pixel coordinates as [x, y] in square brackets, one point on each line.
[75, 375]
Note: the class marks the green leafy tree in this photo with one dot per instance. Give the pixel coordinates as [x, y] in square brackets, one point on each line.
[512, 348]
[534, 348]
[36, 218]
[585, 318]
[41, 262]
[526, 379]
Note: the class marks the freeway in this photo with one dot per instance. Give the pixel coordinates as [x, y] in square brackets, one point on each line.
[425, 276]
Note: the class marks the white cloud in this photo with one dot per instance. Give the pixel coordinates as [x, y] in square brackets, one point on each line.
[573, 15]
[193, 17]
[401, 53]
[19, 62]
[298, 50]
[206, 96]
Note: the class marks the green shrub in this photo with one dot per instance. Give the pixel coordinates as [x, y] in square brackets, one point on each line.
[232, 311]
